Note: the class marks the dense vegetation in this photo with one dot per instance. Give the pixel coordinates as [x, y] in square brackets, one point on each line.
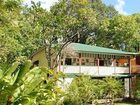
[84, 90]
[22, 84]
[25, 29]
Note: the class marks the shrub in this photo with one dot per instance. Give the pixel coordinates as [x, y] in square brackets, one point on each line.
[84, 90]
[80, 92]
[113, 88]
[136, 88]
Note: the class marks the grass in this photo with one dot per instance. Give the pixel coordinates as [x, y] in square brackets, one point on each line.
[126, 104]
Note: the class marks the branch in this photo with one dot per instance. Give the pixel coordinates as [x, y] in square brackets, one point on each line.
[62, 47]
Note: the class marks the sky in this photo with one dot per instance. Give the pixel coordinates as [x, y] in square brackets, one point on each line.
[45, 3]
[125, 7]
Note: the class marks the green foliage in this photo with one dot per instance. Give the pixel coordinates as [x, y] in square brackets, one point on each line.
[136, 88]
[113, 88]
[84, 90]
[120, 32]
[103, 11]
[9, 46]
[55, 29]
[22, 85]
[80, 92]
[77, 18]
[25, 29]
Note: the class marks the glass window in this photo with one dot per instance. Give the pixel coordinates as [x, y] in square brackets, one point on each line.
[101, 63]
[36, 63]
[68, 61]
[87, 60]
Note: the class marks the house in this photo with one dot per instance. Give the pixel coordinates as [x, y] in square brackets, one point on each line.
[98, 62]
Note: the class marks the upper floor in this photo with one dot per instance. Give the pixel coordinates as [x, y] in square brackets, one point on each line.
[92, 60]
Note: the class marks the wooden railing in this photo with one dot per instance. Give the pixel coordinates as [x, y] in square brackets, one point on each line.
[135, 69]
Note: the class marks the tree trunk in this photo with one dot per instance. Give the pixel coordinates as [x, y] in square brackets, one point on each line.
[49, 58]
[48, 54]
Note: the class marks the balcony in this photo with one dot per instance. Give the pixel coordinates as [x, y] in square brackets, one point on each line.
[94, 70]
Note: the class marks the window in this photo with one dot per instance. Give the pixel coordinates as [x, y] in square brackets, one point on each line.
[87, 60]
[36, 63]
[101, 63]
[74, 60]
[68, 61]
[77, 60]
[61, 62]
[83, 63]
[95, 62]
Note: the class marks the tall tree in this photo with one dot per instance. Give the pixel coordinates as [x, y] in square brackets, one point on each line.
[120, 32]
[65, 23]
[74, 19]
[10, 11]
[24, 30]
[78, 11]
[137, 18]
[102, 10]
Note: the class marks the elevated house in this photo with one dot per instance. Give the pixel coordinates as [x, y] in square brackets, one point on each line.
[98, 62]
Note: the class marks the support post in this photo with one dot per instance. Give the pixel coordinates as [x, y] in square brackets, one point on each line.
[114, 65]
[129, 60]
[64, 58]
[59, 63]
[98, 63]
[80, 55]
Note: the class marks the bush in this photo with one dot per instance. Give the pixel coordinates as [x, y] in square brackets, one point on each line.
[136, 88]
[84, 90]
[80, 92]
[113, 88]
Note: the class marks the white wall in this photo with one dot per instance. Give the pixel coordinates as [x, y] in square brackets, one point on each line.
[126, 86]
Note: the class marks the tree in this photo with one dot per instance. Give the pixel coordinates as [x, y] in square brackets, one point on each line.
[78, 11]
[137, 18]
[33, 27]
[9, 46]
[103, 11]
[65, 23]
[120, 32]
[75, 19]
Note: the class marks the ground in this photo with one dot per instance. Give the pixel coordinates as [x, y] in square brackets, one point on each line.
[126, 104]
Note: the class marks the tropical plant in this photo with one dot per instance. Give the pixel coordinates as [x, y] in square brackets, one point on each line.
[136, 88]
[113, 88]
[80, 92]
[84, 90]
[10, 12]
[22, 85]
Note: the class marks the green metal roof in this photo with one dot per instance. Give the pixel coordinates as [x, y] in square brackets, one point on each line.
[98, 50]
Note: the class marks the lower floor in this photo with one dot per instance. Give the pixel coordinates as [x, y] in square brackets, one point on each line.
[130, 82]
